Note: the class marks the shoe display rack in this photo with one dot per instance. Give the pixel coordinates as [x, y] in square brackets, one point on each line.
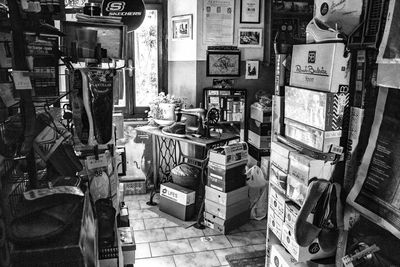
[307, 149]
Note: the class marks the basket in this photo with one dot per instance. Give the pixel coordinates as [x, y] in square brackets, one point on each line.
[186, 176]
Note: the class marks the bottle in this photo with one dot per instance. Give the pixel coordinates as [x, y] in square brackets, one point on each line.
[123, 216]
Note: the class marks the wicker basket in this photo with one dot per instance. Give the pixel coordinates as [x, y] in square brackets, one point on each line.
[186, 176]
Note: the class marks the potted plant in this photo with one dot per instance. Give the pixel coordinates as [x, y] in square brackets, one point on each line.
[162, 108]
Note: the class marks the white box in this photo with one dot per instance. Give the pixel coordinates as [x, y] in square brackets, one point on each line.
[280, 155]
[258, 141]
[291, 213]
[302, 254]
[296, 190]
[229, 198]
[177, 194]
[276, 202]
[275, 223]
[322, 67]
[230, 154]
[278, 178]
[259, 114]
[305, 168]
[226, 212]
[279, 257]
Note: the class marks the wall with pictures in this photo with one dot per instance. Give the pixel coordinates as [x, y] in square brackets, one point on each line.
[187, 57]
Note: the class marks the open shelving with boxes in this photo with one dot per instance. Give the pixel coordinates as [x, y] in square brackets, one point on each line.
[309, 126]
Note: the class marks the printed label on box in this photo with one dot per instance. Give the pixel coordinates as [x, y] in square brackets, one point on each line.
[184, 198]
[277, 202]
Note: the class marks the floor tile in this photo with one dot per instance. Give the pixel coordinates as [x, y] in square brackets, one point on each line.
[198, 259]
[208, 231]
[154, 223]
[151, 235]
[221, 253]
[165, 248]
[136, 224]
[142, 214]
[247, 238]
[143, 204]
[133, 205]
[156, 262]
[209, 243]
[254, 225]
[142, 251]
[173, 233]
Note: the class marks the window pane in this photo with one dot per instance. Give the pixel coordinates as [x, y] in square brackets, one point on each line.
[146, 60]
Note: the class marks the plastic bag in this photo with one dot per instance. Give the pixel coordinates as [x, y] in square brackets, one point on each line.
[258, 193]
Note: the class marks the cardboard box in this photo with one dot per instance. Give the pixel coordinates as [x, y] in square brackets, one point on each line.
[278, 178]
[128, 244]
[321, 110]
[275, 223]
[279, 257]
[296, 190]
[278, 104]
[277, 201]
[258, 113]
[259, 128]
[311, 137]
[302, 254]
[226, 212]
[305, 168]
[258, 153]
[177, 201]
[225, 226]
[226, 178]
[230, 154]
[291, 212]
[321, 67]
[280, 155]
[260, 142]
[227, 199]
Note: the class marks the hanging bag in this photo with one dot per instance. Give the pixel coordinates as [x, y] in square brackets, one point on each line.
[258, 193]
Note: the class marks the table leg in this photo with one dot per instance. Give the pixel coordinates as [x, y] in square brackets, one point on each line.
[155, 171]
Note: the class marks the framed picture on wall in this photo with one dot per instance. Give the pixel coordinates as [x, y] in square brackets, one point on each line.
[250, 38]
[223, 63]
[250, 11]
[182, 28]
[252, 69]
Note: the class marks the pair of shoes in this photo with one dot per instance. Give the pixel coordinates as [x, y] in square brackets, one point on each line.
[317, 32]
[323, 198]
[177, 129]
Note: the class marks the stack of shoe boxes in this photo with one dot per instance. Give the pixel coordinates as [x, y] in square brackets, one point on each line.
[309, 114]
[226, 198]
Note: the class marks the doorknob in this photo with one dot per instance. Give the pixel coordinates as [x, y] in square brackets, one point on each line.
[130, 67]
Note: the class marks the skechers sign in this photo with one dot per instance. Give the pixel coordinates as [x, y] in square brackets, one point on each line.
[131, 11]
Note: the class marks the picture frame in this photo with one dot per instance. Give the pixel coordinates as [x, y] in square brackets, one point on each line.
[250, 37]
[250, 11]
[182, 27]
[252, 69]
[223, 63]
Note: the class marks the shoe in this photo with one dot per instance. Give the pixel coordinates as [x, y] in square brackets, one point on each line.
[177, 129]
[305, 232]
[318, 32]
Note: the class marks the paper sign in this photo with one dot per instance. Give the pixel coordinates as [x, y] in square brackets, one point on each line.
[92, 163]
[22, 80]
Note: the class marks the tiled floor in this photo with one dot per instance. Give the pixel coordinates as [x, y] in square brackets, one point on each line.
[160, 242]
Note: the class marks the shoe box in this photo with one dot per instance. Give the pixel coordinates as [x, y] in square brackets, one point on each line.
[311, 137]
[276, 201]
[279, 257]
[258, 153]
[302, 254]
[177, 201]
[280, 156]
[225, 226]
[259, 141]
[278, 103]
[259, 128]
[258, 113]
[296, 190]
[229, 154]
[226, 212]
[305, 168]
[323, 67]
[278, 178]
[226, 178]
[275, 223]
[229, 198]
[291, 212]
[321, 110]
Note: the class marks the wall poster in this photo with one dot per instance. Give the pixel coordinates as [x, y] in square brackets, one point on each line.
[218, 21]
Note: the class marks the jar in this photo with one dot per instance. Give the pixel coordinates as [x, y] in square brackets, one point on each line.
[91, 9]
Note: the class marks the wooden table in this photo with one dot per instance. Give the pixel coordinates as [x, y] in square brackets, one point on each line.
[167, 153]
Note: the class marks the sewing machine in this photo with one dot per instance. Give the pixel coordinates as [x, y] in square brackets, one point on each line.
[198, 120]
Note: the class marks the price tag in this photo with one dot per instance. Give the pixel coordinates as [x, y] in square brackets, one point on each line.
[21, 80]
[92, 163]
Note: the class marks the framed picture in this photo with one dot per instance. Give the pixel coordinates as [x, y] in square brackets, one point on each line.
[223, 63]
[250, 11]
[182, 27]
[252, 67]
[250, 38]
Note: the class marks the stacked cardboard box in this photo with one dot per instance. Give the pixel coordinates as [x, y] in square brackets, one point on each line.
[226, 197]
